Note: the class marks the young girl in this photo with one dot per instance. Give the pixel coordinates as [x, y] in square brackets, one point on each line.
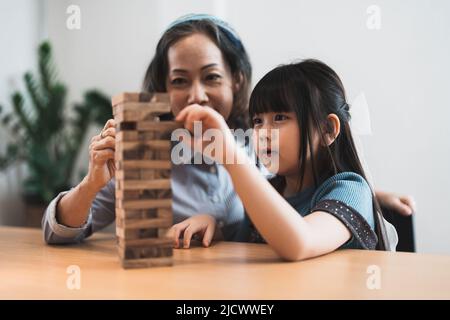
[319, 200]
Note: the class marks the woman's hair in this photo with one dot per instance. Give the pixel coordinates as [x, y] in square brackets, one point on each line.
[313, 90]
[233, 51]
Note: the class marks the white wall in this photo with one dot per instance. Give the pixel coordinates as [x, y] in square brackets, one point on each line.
[20, 31]
[403, 69]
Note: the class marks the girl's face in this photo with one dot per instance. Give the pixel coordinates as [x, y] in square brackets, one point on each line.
[277, 138]
[198, 74]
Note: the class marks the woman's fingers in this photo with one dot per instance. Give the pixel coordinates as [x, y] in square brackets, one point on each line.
[110, 132]
[111, 123]
[105, 143]
[401, 208]
[101, 156]
[408, 204]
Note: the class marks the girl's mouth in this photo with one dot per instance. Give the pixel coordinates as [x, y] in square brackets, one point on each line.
[268, 153]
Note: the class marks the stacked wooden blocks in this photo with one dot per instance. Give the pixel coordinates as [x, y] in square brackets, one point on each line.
[143, 171]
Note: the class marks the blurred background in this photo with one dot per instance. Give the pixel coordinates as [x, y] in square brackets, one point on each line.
[393, 56]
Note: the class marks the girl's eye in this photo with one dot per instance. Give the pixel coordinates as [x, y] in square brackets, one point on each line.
[178, 81]
[280, 117]
[213, 77]
[256, 121]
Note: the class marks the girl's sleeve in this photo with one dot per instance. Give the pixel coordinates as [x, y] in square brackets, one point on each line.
[348, 197]
[101, 214]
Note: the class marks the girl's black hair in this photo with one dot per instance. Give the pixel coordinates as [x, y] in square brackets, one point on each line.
[313, 90]
[232, 50]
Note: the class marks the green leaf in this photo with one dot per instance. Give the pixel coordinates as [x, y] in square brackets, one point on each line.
[6, 119]
[44, 136]
[23, 117]
[33, 91]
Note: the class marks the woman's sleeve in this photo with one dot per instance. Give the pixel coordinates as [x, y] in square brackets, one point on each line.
[348, 197]
[101, 214]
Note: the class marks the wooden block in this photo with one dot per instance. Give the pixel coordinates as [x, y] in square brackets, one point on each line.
[146, 251]
[162, 232]
[136, 154]
[127, 194]
[146, 184]
[143, 223]
[136, 112]
[147, 263]
[142, 174]
[143, 213]
[129, 174]
[162, 126]
[141, 145]
[165, 213]
[127, 234]
[124, 195]
[140, 97]
[144, 164]
[162, 174]
[136, 135]
[145, 204]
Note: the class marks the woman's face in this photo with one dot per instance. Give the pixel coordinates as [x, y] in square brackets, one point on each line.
[198, 74]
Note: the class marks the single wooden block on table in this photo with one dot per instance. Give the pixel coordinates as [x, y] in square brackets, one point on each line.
[143, 171]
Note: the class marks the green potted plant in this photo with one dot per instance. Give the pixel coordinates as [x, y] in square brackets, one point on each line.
[44, 136]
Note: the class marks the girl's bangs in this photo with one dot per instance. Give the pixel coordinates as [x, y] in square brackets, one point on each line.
[273, 93]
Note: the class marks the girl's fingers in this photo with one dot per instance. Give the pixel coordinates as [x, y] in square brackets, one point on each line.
[190, 114]
[188, 236]
[177, 229]
[182, 115]
[209, 233]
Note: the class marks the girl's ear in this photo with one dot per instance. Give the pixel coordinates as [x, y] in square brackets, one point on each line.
[333, 128]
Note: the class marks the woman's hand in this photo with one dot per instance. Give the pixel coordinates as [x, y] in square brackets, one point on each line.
[101, 156]
[203, 225]
[224, 142]
[404, 205]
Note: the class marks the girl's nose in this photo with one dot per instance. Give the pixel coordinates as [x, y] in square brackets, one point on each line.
[197, 94]
[264, 135]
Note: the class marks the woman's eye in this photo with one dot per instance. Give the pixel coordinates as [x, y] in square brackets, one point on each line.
[213, 77]
[280, 117]
[178, 81]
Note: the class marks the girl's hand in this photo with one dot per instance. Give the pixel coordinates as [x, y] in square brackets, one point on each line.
[404, 205]
[210, 119]
[203, 224]
[101, 156]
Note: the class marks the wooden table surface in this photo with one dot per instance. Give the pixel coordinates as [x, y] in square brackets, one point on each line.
[30, 269]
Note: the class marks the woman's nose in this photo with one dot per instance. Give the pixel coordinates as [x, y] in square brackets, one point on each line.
[197, 94]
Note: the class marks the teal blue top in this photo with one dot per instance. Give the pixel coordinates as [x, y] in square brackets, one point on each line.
[346, 195]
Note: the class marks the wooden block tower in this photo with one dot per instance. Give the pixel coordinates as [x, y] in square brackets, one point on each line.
[143, 170]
